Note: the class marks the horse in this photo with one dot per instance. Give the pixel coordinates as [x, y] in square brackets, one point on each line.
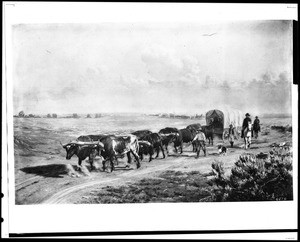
[247, 133]
[256, 128]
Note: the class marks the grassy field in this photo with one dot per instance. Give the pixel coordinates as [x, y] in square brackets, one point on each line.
[169, 186]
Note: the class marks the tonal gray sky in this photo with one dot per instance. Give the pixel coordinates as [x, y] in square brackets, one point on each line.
[143, 67]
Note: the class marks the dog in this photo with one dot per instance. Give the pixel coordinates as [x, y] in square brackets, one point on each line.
[222, 150]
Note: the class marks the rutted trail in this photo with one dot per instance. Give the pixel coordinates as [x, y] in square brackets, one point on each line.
[66, 194]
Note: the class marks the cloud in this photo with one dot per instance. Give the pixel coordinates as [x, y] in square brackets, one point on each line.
[164, 67]
[168, 67]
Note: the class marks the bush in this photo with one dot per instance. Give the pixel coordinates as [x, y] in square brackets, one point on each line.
[21, 114]
[255, 179]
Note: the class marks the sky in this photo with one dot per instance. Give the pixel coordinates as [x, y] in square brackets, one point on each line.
[152, 67]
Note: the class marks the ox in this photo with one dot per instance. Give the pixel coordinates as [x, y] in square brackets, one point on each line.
[169, 135]
[208, 130]
[196, 126]
[91, 137]
[141, 134]
[118, 146]
[188, 135]
[156, 141]
[83, 150]
[145, 148]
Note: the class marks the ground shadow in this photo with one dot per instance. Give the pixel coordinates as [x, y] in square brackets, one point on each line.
[123, 168]
[259, 141]
[53, 170]
[214, 154]
[180, 155]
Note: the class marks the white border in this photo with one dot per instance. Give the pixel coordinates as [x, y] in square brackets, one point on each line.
[138, 217]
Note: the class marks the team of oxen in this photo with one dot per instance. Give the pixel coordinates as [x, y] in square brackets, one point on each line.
[138, 144]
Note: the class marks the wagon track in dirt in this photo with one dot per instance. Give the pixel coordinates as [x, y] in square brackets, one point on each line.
[66, 194]
[23, 184]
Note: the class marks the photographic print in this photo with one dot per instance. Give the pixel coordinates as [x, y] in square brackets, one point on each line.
[135, 113]
[157, 113]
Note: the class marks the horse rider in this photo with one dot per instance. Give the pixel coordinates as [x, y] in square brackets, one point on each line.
[245, 123]
[256, 127]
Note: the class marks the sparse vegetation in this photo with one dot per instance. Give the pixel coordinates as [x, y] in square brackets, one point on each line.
[75, 115]
[21, 114]
[264, 177]
[170, 186]
[282, 128]
[255, 179]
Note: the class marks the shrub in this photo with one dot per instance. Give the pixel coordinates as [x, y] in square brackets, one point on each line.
[21, 114]
[255, 179]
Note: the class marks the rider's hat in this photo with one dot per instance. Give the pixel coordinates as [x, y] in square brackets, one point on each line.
[256, 117]
[247, 114]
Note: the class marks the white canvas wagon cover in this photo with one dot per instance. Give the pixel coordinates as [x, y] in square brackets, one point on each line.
[225, 117]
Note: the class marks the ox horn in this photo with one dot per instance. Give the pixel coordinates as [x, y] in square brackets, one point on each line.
[64, 145]
[100, 143]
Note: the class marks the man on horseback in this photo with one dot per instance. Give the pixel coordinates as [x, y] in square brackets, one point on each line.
[247, 131]
[245, 123]
[256, 127]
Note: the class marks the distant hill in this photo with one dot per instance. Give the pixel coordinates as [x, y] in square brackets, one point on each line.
[276, 115]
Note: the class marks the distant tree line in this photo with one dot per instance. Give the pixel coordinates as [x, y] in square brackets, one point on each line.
[22, 114]
[54, 115]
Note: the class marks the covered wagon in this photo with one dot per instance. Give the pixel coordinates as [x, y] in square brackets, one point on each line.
[221, 119]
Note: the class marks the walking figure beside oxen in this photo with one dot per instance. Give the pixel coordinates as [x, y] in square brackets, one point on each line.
[219, 124]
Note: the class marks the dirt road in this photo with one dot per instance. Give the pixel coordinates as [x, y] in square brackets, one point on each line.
[49, 183]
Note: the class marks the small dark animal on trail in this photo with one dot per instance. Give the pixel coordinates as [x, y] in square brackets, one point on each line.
[222, 150]
[145, 148]
[83, 150]
[156, 141]
[118, 146]
[169, 135]
[140, 134]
